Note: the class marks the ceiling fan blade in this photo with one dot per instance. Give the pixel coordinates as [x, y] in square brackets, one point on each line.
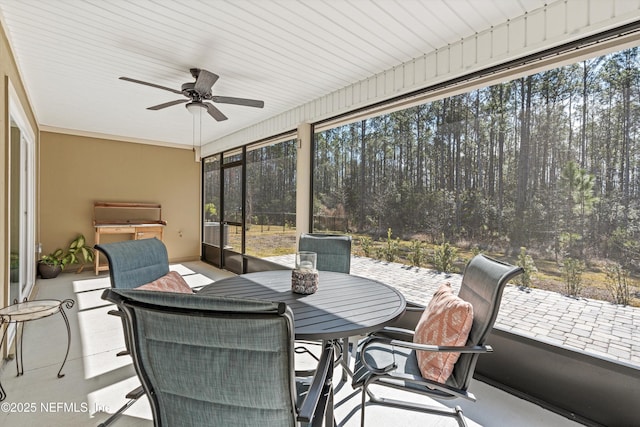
[214, 112]
[205, 81]
[151, 84]
[238, 101]
[168, 104]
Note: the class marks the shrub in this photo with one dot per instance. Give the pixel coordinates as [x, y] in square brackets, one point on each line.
[417, 253]
[618, 283]
[572, 274]
[475, 250]
[390, 251]
[529, 267]
[210, 211]
[444, 256]
[366, 245]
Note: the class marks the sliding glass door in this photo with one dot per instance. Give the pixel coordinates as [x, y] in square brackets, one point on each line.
[249, 199]
[223, 225]
[232, 213]
[21, 206]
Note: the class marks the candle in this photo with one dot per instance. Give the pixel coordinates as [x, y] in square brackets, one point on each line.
[306, 260]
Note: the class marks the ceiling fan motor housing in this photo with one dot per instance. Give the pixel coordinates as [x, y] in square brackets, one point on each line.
[188, 90]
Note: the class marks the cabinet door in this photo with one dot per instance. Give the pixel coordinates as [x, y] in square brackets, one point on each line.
[148, 233]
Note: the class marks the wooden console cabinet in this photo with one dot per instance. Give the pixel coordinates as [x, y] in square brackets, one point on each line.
[135, 220]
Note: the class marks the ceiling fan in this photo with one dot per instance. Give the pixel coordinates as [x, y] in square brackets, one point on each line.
[198, 92]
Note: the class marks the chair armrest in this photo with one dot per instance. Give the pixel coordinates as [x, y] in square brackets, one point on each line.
[119, 313]
[320, 385]
[426, 347]
[442, 348]
[390, 332]
[414, 346]
[116, 313]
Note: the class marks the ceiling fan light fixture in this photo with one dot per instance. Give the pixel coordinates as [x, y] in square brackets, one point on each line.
[195, 108]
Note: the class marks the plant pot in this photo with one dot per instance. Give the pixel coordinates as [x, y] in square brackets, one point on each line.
[48, 271]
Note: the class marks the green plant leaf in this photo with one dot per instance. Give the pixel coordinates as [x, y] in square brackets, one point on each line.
[87, 254]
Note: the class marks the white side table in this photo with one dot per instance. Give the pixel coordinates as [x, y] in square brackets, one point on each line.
[20, 312]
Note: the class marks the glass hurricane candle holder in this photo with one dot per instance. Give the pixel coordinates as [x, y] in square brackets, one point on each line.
[306, 260]
[304, 278]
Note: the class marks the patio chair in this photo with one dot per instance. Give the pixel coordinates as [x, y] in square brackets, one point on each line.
[133, 263]
[334, 250]
[333, 254]
[389, 357]
[220, 361]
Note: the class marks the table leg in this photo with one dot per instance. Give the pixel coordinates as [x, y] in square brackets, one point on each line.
[345, 359]
[19, 362]
[330, 419]
[69, 303]
[3, 394]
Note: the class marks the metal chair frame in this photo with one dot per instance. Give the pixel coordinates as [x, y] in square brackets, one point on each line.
[483, 281]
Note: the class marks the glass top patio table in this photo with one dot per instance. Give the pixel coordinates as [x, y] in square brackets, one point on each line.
[344, 305]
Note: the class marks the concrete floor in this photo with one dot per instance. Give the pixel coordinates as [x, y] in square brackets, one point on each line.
[96, 381]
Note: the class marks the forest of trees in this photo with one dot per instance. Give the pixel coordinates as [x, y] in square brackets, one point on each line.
[549, 162]
[270, 186]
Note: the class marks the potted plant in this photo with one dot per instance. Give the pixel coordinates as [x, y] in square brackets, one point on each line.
[52, 264]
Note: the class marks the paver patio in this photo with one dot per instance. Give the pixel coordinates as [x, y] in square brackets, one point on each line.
[597, 327]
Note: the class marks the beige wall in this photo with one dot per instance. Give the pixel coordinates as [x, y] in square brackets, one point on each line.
[76, 171]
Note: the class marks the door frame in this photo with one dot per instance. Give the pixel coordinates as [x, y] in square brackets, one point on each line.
[233, 260]
[222, 256]
[27, 201]
[27, 194]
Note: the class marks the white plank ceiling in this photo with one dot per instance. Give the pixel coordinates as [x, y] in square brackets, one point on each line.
[287, 53]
